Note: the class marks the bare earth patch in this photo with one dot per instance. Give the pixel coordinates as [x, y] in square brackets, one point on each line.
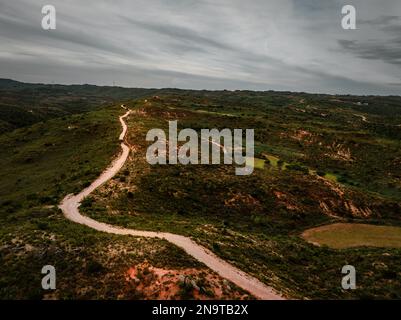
[189, 283]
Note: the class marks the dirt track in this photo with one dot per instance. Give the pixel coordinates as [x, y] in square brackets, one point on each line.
[70, 207]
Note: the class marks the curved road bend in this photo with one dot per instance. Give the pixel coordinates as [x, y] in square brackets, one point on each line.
[70, 207]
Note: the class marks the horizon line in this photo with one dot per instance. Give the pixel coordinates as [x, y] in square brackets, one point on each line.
[210, 90]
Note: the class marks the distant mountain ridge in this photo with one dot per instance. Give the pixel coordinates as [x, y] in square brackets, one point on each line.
[23, 104]
[9, 83]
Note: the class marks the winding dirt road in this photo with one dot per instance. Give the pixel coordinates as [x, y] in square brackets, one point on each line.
[363, 118]
[70, 207]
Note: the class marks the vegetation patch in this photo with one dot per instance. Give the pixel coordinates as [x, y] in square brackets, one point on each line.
[348, 235]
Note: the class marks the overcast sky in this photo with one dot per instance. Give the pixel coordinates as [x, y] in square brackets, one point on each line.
[295, 45]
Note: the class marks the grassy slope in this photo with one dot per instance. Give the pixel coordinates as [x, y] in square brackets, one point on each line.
[255, 221]
[41, 164]
[23, 104]
[241, 219]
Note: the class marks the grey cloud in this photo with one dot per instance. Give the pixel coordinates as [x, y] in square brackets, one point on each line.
[185, 35]
[261, 45]
[15, 29]
[373, 50]
[380, 21]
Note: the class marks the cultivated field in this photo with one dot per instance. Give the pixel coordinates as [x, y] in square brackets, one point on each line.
[348, 235]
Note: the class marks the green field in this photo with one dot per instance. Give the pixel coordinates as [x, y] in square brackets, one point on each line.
[348, 235]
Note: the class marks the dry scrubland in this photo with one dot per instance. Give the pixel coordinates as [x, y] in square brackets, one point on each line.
[318, 163]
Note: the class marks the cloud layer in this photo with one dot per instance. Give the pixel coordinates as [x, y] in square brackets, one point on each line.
[295, 45]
